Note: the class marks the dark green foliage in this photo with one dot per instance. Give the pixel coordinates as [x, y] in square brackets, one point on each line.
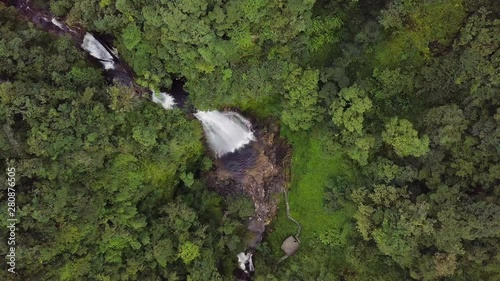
[392, 109]
[434, 214]
[337, 193]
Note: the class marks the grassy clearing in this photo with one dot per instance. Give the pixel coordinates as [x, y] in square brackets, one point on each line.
[311, 169]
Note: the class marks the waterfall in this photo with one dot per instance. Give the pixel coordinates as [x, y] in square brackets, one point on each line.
[245, 261]
[57, 23]
[225, 131]
[164, 99]
[98, 51]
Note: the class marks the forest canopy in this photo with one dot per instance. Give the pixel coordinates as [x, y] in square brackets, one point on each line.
[392, 109]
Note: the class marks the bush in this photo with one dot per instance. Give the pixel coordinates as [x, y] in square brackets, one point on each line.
[337, 192]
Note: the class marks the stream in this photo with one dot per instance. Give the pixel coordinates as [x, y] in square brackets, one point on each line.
[116, 70]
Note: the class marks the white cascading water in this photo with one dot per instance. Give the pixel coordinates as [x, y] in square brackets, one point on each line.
[57, 23]
[226, 131]
[98, 51]
[245, 261]
[166, 100]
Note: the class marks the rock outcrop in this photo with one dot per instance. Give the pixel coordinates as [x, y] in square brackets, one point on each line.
[257, 171]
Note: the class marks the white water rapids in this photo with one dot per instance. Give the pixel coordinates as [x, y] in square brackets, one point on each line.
[57, 23]
[98, 51]
[164, 99]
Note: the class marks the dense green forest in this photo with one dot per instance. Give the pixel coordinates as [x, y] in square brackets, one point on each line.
[392, 109]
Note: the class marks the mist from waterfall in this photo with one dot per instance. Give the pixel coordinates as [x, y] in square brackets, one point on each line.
[225, 131]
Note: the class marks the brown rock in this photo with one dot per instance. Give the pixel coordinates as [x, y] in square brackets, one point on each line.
[257, 171]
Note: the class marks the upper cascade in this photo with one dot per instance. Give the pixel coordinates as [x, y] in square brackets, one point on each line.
[226, 132]
[58, 23]
[98, 51]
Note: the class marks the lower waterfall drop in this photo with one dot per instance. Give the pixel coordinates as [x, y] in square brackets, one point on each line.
[226, 132]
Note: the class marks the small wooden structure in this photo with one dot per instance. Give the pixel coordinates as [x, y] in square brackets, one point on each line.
[290, 246]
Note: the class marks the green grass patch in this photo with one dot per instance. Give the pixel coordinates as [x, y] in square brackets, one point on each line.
[312, 166]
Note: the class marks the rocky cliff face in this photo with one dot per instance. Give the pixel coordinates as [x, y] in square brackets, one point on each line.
[258, 171]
